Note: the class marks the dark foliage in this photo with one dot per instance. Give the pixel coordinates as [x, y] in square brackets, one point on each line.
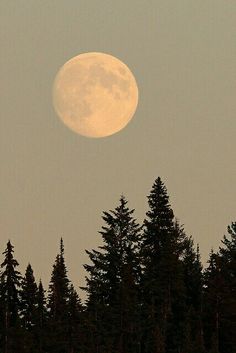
[146, 292]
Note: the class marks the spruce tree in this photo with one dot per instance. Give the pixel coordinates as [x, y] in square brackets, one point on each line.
[213, 286]
[112, 283]
[10, 286]
[227, 253]
[219, 297]
[193, 278]
[162, 282]
[28, 296]
[58, 305]
[28, 300]
[41, 318]
[75, 323]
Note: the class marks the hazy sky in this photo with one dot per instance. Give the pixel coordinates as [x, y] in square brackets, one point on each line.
[55, 183]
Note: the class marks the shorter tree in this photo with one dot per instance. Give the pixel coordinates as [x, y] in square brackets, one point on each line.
[10, 289]
[28, 296]
[41, 318]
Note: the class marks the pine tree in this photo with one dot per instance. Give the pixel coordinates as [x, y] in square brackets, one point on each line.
[28, 309]
[41, 318]
[59, 286]
[10, 286]
[75, 324]
[227, 341]
[162, 283]
[111, 306]
[193, 279]
[2, 318]
[58, 305]
[219, 296]
[28, 299]
[213, 290]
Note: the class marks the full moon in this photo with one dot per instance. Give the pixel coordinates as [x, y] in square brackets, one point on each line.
[95, 94]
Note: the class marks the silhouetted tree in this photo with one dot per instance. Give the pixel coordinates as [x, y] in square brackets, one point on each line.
[108, 287]
[214, 286]
[219, 297]
[58, 305]
[28, 300]
[146, 292]
[28, 295]
[10, 286]
[162, 283]
[75, 324]
[41, 318]
[193, 278]
[227, 339]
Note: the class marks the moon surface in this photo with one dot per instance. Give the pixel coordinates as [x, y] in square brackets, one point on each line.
[95, 94]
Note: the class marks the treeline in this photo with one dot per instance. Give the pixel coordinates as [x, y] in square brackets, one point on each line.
[146, 292]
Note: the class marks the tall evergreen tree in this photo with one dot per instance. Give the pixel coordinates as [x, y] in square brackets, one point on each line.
[58, 305]
[59, 286]
[113, 275]
[163, 286]
[219, 297]
[10, 285]
[193, 342]
[228, 320]
[41, 318]
[213, 289]
[28, 299]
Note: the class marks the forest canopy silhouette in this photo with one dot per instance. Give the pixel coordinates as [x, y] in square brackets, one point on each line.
[147, 292]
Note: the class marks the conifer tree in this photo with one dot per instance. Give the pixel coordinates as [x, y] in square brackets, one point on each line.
[213, 288]
[193, 341]
[108, 282]
[10, 286]
[41, 318]
[219, 296]
[59, 286]
[28, 296]
[162, 283]
[227, 253]
[75, 324]
[58, 305]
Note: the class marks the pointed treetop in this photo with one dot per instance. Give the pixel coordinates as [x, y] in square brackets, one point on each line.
[40, 286]
[160, 211]
[123, 198]
[158, 193]
[62, 250]
[29, 268]
[9, 259]
[9, 248]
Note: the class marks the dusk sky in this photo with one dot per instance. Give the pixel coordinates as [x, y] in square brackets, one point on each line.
[56, 183]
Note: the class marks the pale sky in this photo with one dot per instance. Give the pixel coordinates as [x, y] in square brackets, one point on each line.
[55, 183]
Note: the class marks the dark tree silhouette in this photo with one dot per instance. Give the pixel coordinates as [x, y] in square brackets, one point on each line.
[162, 283]
[146, 292]
[28, 296]
[10, 285]
[112, 280]
[228, 255]
[75, 322]
[58, 305]
[193, 278]
[41, 319]
[220, 298]
[28, 307]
